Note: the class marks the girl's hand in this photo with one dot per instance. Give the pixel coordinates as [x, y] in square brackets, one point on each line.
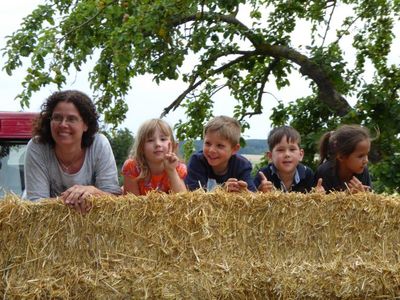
[170, 160]
[234, 185]
[265, 186]
[319, 187]
[356, 186]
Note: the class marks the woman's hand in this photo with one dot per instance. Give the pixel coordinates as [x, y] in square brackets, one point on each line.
[75, 197]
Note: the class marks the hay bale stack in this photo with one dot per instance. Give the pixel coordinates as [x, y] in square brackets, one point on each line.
[203, 245]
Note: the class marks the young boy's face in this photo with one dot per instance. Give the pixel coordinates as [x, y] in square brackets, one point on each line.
[218, 151]
[286, 156]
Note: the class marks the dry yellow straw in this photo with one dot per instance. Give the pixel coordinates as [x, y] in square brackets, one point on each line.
[203, 245]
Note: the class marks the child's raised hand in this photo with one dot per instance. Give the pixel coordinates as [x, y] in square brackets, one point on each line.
[265, 186]
[170, 160]
[319, 187]
[356, 186]
[234, 185]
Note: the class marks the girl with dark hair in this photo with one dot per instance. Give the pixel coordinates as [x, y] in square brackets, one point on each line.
[67, 156]
[344, 159]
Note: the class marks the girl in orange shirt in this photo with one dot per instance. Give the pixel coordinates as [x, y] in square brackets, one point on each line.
[153, 164]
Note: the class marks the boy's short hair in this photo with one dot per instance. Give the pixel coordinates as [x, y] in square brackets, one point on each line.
[228, 128]
[275, 136]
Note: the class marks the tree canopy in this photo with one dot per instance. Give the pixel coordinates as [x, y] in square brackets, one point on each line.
[244, 46]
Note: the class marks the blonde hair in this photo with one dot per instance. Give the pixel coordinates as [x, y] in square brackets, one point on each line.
[228, 128]
[146, 130]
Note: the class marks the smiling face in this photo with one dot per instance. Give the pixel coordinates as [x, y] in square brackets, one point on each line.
[355, 162]
[156, 146]
[67, 126]
[218, 151]
[286, 155]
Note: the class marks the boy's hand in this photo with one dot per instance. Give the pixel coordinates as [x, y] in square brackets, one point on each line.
[356, 186]
[265, 186]
[319, 188]
[234, 185]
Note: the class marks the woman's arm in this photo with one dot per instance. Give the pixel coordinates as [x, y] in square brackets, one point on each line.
[37, 181]
[105, 169]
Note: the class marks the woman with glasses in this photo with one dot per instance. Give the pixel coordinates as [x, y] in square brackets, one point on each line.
[67, 157]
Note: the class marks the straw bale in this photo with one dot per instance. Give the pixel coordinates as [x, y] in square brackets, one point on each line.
[203, 246]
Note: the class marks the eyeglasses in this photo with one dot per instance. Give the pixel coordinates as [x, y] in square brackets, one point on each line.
[69, 120]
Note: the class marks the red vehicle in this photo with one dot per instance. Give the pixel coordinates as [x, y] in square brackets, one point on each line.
[15, 132]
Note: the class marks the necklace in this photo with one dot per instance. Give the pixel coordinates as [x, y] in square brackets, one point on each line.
[68, 166]
[64, 166]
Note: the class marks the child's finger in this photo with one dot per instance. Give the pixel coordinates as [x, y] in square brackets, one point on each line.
[366, 188]
[172, 157]
[355, 180]
[233, 186]
[262, 176]
[169, 147]
[319, 188]
[356, 185]
[242, 184]
[265, 187]
[319, 183]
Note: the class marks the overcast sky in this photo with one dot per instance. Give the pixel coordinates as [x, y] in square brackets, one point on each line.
[146, 100]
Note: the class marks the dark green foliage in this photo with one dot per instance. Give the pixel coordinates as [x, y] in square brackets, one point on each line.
[121, 141]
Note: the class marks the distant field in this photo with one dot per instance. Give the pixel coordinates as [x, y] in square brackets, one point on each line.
[253, 146]
[253, 158]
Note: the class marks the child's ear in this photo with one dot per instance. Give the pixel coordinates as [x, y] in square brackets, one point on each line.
[235, 148]
[301, 154]
[339, 157]
[268, 155]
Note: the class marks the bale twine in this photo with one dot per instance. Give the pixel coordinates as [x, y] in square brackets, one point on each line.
[203, 245]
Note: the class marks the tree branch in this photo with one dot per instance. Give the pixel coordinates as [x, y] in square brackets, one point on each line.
[327, 92]
[329, 22]
[229, 19]
[348, 27]
[86, 22]
[264, 80]
[193, 85]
